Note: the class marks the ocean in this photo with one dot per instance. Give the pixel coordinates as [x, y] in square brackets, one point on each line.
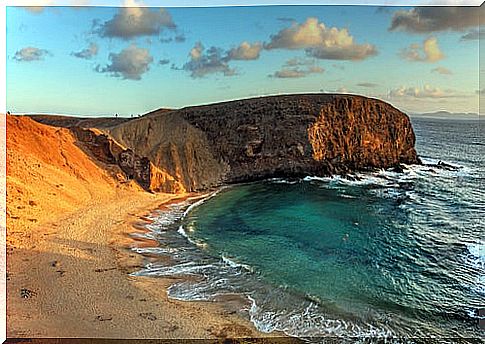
[382, 254]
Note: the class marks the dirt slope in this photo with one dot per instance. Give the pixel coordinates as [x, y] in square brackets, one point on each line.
[48, 174]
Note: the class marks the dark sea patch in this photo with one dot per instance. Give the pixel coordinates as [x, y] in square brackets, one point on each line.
[381, 254]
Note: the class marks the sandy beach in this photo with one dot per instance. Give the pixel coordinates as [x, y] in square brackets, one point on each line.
[75, 273]
[68, 257]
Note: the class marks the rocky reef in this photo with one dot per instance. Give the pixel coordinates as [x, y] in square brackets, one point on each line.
[200, 147]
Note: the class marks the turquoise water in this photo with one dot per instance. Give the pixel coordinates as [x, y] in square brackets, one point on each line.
[387, 254]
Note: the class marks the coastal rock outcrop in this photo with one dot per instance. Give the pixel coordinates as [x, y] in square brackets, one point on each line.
[200, 147]
[277, 136]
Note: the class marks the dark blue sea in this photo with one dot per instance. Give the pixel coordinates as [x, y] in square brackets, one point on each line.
[382, 254]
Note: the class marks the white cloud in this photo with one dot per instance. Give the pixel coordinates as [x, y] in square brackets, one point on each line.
[88, 52]
[367, 84]
[288, 73]
[245, 51]
[426, 91]
[320, 41]
[34, 9]
[216, 60]
[298, 68]
[38, 6]
[196, 51]
[134, 21]
[429, 51]
[203, 62]
[130, 63]
[342, 89]
[442, 70]
[315, 70]
[80, 2]
[297, 72]
[29, 54]
[296, 61]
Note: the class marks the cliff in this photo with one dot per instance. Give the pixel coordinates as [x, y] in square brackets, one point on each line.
[196, 148]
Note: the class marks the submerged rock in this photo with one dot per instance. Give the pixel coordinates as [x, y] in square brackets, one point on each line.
[444, 165]
[398, 168]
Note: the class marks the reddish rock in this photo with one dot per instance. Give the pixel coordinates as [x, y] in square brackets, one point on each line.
[196, 148]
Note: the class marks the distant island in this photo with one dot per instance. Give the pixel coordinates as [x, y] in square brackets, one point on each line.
[447, 115]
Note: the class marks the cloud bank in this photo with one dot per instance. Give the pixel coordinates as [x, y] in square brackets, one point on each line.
[312, 36]
[320, 41]
[426, 91]
[432, 19]
[203, 62]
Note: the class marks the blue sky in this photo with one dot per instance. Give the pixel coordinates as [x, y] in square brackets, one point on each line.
[103, 60]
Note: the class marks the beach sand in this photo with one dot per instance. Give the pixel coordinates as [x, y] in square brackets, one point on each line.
[68, 257]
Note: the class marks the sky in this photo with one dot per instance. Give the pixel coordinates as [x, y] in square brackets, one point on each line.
[95, 61]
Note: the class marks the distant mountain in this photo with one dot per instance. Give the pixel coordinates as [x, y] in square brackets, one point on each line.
[447, 115]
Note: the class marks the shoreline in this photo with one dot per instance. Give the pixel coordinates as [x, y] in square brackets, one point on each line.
[77, 267]
[229, 306]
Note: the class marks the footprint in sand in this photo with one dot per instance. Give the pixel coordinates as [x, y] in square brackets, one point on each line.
[104, 318]
[104, 269]
[148, 316]
[26, 293]
[56, 264]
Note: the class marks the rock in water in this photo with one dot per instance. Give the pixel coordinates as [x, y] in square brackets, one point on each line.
[199, 147]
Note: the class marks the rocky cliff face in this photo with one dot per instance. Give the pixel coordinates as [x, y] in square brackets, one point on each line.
[196, 148]
[135, 167]
[200, 147]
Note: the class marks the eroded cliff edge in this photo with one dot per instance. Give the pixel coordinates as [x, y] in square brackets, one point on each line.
[200, 147]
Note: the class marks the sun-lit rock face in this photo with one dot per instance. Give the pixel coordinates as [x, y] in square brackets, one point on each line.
[200, 147]
[358, 133]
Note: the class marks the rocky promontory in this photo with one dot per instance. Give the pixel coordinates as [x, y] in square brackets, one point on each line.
[200, 147]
